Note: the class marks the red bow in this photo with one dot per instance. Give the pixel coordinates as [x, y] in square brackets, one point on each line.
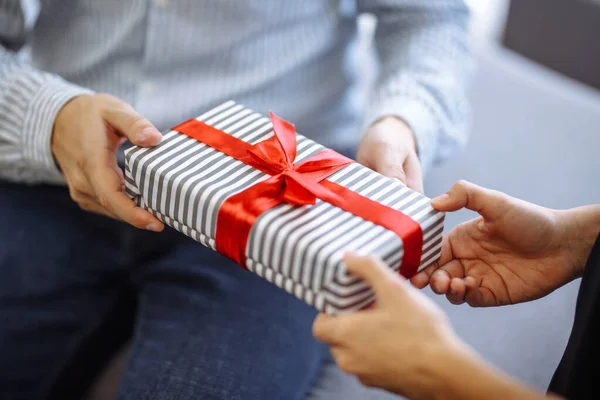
[297, 184]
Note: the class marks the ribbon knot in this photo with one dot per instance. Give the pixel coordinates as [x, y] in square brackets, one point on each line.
[298, 183]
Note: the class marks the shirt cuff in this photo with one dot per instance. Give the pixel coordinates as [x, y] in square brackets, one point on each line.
[47, 96]
[419, 117]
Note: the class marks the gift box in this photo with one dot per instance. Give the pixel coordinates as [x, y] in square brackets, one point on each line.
[281, 205]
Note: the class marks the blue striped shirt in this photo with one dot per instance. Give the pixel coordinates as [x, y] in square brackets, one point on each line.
[173, 59]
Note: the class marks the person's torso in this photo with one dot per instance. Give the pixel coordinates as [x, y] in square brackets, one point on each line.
[578, 374]
[173, 59]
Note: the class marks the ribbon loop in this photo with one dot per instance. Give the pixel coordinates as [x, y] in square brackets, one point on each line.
[270, 155]
[285, 133]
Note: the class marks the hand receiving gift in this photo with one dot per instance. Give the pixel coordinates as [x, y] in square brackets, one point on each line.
[513, 252]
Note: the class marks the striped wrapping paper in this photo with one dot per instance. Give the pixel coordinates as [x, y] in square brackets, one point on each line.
[184, 182]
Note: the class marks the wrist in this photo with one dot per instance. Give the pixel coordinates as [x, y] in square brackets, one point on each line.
[581, 227]
[461, 374]
[48, 96]
[63, 119]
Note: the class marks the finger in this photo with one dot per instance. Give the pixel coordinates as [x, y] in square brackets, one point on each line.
[390, 169]
[110, 196]
[476, 296]
[84, 201]
[120, 175]
[326, 329]
[127, 122]
[421, 279]
[488, 203]
[336, 351]
[481, 297]
[447, 253]
[456, 294]
[440, 279]
[414, 177]
[343, 358]
[440, 282]
[371, 270]
[90, 205]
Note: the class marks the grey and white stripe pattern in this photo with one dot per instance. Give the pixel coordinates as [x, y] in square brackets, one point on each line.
[170, 59]
[184, 183]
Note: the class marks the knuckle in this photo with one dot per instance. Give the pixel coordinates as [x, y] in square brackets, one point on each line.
[471, 302]
[105, 97]
[463, 184]
[79, 183]
[81, 163]
[365, 381]
[371, 259]
[103, 201]
[395, 171]
[343, 332]
[74, 195]
[138, 221]
[85, 205]
[137, 122]
[346, 364]
[317, 330]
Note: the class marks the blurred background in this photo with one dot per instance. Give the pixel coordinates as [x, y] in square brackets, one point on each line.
[536, 136]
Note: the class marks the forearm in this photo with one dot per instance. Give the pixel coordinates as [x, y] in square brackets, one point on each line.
[462, 375]
[581, 227]
[425, 61]
[29, 102]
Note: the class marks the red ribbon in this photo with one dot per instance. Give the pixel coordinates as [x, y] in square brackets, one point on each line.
[297, 184]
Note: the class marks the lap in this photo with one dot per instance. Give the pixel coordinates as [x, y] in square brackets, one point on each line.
[204, 329]
[336, 384]
[208, 329]
[49, 286]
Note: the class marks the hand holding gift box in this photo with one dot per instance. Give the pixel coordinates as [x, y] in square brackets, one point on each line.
[281, 205]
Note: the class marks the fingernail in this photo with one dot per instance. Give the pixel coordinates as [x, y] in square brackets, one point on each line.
[442, 197]
[147, 132]
[153, 226]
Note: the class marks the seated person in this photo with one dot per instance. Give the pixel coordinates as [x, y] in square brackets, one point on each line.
[204, 328]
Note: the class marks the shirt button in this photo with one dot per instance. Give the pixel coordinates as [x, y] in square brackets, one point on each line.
[148, 88]
[161, 3]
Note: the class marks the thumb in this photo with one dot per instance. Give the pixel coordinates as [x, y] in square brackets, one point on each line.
[128, 123]
[414, 176]
[371, 270]
[490, 204]
[388, 164]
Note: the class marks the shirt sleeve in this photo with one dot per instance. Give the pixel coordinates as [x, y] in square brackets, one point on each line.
[30, 99]
[424, 64]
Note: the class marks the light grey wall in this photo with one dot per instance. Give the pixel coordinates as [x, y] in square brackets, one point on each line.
[536, 136]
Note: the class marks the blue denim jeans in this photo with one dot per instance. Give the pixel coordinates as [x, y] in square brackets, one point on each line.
[204, 328]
